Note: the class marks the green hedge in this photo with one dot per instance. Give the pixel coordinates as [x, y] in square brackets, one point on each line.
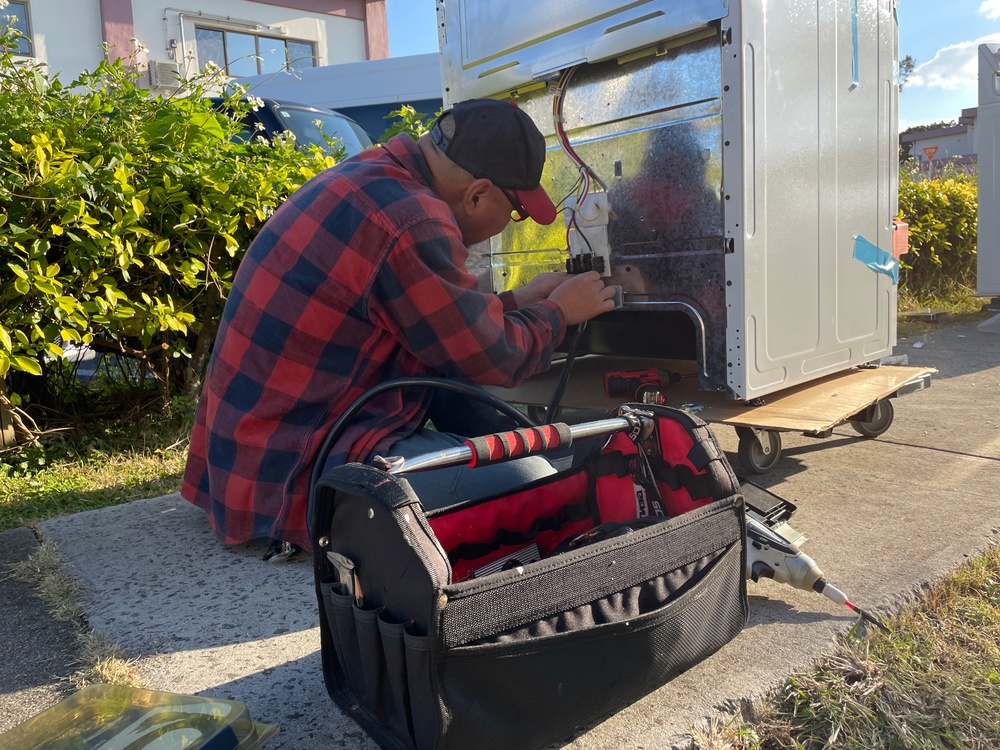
[122, 219]
[941, 214]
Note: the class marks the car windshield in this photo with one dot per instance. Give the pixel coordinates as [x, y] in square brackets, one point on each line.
[309, 126]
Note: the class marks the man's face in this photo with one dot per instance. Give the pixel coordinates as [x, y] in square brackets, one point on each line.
[489, 217]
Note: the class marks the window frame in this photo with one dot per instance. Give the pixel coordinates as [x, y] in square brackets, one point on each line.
[26, 19]
[257, 37]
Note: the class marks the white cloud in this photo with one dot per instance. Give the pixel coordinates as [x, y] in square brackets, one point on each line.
[990, 9]
[955, 66]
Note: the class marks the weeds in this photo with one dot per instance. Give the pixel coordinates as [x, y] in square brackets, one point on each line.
[93, 463]
[44, 570]
[102, 661]
[105, 664]
[933, 684]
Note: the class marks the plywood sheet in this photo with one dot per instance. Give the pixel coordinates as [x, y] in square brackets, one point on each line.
[809, 407]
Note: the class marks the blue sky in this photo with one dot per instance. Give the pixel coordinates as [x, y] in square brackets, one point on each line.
[943, 36]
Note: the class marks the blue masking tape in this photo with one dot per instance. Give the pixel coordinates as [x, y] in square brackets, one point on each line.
[876, 259]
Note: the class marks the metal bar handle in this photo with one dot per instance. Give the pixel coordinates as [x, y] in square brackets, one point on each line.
[506, 446]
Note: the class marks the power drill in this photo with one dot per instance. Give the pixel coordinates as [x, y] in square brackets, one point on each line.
[639, 385]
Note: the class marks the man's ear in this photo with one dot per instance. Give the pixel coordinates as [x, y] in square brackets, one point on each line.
[475, 195]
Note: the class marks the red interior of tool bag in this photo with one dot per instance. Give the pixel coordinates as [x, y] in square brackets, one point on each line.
[547, 513]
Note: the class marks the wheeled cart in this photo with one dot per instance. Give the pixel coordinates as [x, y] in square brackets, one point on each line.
[861, 397]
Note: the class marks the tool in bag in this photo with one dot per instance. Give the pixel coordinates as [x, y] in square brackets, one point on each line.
[517, 619]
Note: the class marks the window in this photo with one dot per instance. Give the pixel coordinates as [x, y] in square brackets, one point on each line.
[18, 19]
[243, 54]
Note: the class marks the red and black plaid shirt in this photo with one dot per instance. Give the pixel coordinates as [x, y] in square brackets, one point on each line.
[358, 278]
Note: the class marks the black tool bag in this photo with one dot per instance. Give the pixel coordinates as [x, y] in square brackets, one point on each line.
[513, 621]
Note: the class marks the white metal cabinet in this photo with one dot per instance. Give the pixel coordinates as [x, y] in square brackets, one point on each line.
[988, 156]
[749, 150]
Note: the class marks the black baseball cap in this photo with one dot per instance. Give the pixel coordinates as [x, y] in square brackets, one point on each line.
[498, 141]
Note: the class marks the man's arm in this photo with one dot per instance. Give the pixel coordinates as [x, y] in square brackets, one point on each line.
[426, 298]
[538, 288]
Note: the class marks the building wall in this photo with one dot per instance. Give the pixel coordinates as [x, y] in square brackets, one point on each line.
[951, 145]
[68, 34]
[945, 146]
[337, 38]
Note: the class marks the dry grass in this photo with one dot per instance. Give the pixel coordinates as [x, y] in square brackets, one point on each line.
[958, 308]
[44, 570]
[102, 661]
[105, 664]
[934, 684]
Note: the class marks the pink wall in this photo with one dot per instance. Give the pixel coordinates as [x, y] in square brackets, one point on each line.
[117, 27]
[376, 29]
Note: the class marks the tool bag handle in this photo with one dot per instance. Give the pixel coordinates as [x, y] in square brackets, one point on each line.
[451, 385]
[506, 446]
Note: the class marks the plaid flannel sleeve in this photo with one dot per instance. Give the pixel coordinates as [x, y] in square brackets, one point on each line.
[424, 295]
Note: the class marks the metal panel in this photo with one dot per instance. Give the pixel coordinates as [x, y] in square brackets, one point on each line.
[656, 141]
[819, 106]
[490, 46]
[988, 156]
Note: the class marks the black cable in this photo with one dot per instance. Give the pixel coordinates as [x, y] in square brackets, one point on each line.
[553, 408]
[582, 235]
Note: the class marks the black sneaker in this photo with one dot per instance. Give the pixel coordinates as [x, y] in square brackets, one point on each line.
[280, 551]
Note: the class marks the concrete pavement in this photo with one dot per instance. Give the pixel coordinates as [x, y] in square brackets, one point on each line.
[884, 517]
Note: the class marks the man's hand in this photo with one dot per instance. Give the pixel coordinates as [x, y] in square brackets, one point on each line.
[538, 288]
[583, 296]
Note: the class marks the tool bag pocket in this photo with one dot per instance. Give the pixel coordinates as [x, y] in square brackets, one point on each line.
[516, 620]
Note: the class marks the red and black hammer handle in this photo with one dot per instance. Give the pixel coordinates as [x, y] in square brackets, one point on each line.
[506, 446]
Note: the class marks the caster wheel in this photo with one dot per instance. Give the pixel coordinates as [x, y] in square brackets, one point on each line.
[759, 450]
[879, 417]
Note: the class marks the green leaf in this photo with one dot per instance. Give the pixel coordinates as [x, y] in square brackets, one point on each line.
[48, 286]
[69, 304]
[26, 364]
[5, 341]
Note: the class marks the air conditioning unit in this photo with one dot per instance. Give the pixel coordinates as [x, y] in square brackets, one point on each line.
[164, 73]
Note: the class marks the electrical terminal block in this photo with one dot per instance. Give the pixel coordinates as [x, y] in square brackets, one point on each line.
[587, 225]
